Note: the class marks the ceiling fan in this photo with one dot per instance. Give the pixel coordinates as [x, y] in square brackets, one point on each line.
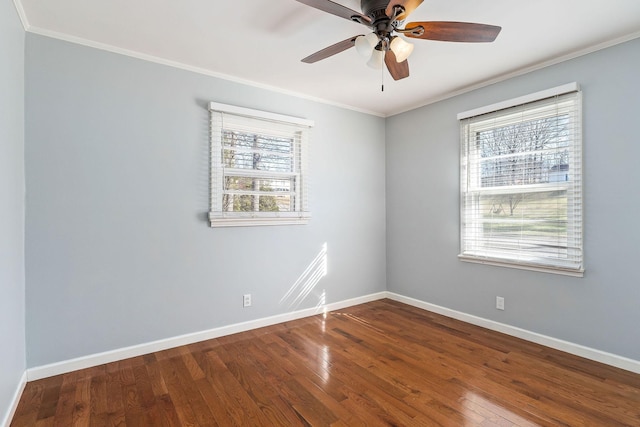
[385, 18]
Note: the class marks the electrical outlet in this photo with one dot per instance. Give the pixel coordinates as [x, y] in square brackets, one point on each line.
[246, 300]
[500, 303]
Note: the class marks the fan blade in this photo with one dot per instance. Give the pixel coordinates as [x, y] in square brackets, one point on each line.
[398, 70]
[454, 31]
[338, 10]
[409, 6]
[331, 50]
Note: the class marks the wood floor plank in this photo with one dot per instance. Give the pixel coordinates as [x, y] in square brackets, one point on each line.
[248, 411]
[217, 405]
[177, 392]
[82, 405]
[383, 363]
[242, 363]
[155, 377]
[99, 399]
[333, 406]
[609, 407]
[167, 411]
[66, 402]
[310, 409]
[27, 411]
[50, 397]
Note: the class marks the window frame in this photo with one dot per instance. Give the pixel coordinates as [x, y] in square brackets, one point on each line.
[472, 123]
[298, 129]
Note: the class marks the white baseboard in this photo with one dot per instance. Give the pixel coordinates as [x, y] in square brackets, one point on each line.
[568, 347]
[138, 350]
[14, 402]
[65, 366]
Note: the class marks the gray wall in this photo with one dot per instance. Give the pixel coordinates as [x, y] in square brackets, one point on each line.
[12, 281]
[118, 249]
[600, 310]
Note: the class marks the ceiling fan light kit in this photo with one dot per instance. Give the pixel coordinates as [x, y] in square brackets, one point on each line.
[366, 44]
[377, 57]
[385, 18]
[401, 48]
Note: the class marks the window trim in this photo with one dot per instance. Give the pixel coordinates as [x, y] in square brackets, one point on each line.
[486, 258]
[532, 97]
[259, 114]
[219, 218]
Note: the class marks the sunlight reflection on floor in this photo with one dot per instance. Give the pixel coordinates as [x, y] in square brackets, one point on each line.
[480, 410]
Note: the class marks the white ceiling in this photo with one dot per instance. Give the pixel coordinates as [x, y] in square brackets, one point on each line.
[261, 42]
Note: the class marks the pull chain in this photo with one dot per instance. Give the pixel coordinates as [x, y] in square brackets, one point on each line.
[382, 76]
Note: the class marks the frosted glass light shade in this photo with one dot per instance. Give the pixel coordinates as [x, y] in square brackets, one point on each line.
[377, 57]
[366, 44]
[401, 48]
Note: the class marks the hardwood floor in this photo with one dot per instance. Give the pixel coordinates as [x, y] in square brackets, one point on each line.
[378, 364]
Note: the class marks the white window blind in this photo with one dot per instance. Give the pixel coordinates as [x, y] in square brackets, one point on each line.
[521, 184]
[259, 168]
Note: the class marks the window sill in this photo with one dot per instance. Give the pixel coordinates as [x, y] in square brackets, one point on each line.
[252, 220]
[522, 266]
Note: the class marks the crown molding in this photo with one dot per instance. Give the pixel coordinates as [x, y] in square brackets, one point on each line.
[193, 69]
[22, 14]
[521, 71]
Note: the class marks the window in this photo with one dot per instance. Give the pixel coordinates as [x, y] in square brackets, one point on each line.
[259, 173]
[521, 183]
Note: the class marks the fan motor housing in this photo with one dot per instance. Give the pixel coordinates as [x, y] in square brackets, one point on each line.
[370, 7]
